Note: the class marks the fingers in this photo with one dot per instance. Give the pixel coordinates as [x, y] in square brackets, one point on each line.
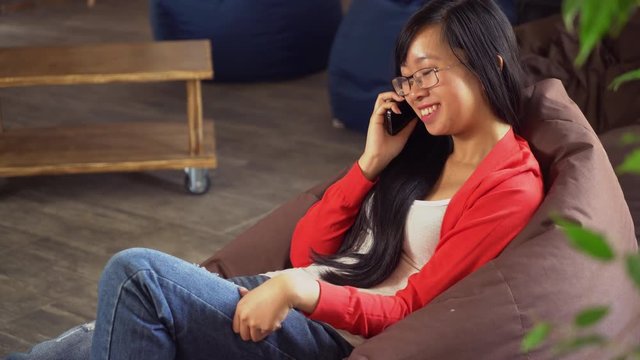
[393, 106]
[255, 333]
[388, 96]
[258, 334]
[236, 317]
[387, 101]
[248, 332]
[243, 291]
[252, 321]
[245, 331]
[241, 327]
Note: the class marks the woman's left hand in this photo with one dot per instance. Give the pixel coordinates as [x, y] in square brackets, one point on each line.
[262, 310]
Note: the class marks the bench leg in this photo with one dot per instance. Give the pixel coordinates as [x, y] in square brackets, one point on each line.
[196, 180]
[194, 113]
[1, 116]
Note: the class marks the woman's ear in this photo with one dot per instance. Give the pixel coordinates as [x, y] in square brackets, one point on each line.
[500, 62]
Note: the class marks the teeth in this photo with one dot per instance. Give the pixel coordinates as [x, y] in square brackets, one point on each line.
[429, 110]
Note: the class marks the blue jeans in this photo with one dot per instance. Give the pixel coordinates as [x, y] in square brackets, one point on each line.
[154, 306]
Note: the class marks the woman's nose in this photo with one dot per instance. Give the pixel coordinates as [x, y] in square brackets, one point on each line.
[418, 93]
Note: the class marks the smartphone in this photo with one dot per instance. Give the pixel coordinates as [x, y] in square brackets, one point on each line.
[396, 122]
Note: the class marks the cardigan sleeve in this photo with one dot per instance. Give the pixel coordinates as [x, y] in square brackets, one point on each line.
[482, 232]
[323, 227]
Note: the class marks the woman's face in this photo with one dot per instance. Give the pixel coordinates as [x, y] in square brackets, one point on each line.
[455, 105]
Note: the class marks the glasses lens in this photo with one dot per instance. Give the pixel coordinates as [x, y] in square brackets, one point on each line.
[401, 86]
[426, 78]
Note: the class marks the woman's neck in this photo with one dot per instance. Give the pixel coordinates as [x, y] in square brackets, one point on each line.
[470, 148]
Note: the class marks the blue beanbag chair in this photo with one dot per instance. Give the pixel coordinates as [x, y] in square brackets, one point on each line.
[509, 8]
[253, 40]
[361, 62]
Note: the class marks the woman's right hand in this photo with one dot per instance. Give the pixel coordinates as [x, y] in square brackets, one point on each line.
[381, 147]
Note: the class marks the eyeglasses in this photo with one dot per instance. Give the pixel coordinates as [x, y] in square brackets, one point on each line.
[424, 78]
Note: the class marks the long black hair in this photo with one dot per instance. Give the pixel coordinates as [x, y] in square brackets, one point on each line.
[477, 32]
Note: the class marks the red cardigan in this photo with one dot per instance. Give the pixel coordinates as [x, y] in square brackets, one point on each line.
[487, 212]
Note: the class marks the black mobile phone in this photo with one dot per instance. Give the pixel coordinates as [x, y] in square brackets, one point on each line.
[395, 122]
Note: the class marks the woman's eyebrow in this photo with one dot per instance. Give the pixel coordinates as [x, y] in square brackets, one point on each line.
[420, 59]
[428, 57]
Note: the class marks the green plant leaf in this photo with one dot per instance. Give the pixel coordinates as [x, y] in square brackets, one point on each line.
[535, 337]
[621, 79]
[596, 18]
[631, 164]
[629, 139]
[570, 9]
[577, 343]
[585, 240]
[625, 9]
[633, 268]
[591, 316]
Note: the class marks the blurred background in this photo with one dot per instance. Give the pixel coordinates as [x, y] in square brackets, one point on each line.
[274, 140]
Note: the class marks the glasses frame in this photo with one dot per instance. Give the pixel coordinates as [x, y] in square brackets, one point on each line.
[411, 80]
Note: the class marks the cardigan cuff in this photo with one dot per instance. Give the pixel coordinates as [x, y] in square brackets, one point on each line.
[333, 304]
[354, 186]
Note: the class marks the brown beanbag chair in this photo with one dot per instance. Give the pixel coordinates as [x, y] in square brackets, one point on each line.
[538, 276]
[547, 50]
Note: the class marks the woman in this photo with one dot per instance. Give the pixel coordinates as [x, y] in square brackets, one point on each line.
[415, 214]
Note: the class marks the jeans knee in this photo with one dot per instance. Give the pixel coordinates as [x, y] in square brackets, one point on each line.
[127, 262]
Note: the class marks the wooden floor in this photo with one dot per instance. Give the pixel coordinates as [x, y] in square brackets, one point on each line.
[56, 232]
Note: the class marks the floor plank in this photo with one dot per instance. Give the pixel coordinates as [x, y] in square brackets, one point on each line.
[274, 140]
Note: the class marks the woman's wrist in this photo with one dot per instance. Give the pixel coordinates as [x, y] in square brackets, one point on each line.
[370, 166]
[303, 291]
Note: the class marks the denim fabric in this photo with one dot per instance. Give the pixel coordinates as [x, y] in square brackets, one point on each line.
[183, 310]
[74, 344]
[155, 306]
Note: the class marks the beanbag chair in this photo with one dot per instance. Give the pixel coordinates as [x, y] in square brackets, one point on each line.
[510, 8]
[548, 50]
[538, 275]
[253, 40]
[361, 61]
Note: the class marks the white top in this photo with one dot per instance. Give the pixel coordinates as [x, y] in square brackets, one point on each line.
[422, 234]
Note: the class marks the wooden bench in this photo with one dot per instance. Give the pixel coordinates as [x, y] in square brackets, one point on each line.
[11, 6]
[111, 147]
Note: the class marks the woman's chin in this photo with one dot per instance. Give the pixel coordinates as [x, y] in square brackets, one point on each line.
[431, 122]
[434, 129]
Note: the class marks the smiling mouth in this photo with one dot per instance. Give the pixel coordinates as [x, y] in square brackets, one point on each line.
[426, 112]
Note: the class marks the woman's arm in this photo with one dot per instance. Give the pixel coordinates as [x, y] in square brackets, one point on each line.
[323, 227]
[482, 232]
